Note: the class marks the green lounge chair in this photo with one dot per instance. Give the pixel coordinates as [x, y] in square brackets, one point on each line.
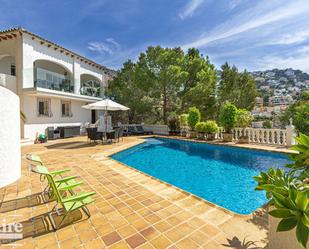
[37, 159]
[61, 183]
[69, 204]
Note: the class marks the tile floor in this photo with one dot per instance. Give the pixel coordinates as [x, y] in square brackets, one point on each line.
[131, 209]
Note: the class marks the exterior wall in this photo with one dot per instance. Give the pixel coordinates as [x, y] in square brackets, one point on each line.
[10, 166]
[35, 124]
[26, 49]
[33, 50]
[8, 81]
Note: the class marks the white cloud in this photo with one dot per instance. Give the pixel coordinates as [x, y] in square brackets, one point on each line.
[263, 14]
[234, 3]
[298, 59]
[107, 47]
[190, 8]
[292, 38]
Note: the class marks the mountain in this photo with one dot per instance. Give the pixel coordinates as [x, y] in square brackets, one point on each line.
[281, 82]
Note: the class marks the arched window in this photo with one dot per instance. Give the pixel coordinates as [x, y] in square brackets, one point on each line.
[90, 86]
[50, 75]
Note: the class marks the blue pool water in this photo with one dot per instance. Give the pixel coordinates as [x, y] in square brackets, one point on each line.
[219, 174]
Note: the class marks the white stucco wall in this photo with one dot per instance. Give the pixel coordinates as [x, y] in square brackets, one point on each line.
[8, 81]
[33, 50]
[10, 166]
[35, 124]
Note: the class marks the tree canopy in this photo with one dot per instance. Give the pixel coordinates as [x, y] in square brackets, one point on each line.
[165, 81]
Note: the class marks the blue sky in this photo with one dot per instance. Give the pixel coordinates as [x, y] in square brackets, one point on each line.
[252, 34]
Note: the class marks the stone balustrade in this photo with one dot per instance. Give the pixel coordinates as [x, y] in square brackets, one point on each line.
[280, 137]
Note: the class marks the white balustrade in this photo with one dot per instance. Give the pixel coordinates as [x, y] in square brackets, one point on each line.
[281, 137]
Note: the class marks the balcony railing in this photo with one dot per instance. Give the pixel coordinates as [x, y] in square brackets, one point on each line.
[91, 91]
[62, 85]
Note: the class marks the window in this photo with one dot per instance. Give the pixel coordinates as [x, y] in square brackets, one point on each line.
[66, 109]
[13, 70]
[44, 107]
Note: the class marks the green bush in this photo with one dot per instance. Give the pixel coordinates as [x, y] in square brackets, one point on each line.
[244, 118]
[211, 127]
[173, 122]
[200, 127]
[228, 117]
[194, 116]
[267, 124]
[288, 192]
[183, 119]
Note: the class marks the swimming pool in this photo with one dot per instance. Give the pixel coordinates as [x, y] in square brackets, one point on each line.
[219, 174]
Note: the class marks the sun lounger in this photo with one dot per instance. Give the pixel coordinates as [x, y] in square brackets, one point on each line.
[69, 203]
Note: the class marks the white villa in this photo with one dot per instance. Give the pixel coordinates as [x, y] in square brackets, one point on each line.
[52, 82]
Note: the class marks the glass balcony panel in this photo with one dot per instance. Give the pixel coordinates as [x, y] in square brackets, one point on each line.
[91, 88]
[54, 81]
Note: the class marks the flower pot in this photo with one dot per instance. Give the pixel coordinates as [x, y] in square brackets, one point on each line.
[201, 135]
[192, 134]
[282, 240]
[227, 137]
[211, 136]
[243, 140]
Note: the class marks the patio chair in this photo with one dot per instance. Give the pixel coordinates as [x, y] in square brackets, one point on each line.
[141, 130]
[130, 131]
[37, 159]
[112, 135]
[120, 134]
[94, 135]
[68, 204]
[62, 182]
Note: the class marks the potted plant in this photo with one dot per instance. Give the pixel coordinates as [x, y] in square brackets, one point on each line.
[244, 119]
[183, 120]
[173, 124]
[228, 120]
[288, 195]
[211, 128]
[200, 128]
[194, 116]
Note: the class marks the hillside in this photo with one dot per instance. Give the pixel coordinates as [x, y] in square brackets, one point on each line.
[281, 82]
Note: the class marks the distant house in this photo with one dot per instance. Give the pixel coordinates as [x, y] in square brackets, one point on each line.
[51, 81]
[259, 102]
[279, 100]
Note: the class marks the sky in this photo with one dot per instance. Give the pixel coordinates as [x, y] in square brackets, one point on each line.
[252, 34]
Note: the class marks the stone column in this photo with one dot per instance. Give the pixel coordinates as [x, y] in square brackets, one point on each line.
[290, 135]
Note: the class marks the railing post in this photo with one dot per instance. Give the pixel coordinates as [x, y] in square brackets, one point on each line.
[290, 135]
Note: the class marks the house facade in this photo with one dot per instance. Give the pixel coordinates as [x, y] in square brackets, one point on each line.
[52, 82]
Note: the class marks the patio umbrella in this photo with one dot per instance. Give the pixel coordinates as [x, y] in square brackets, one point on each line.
[106, 105]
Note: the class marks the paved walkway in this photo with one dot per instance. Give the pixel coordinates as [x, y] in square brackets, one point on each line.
[131, 209]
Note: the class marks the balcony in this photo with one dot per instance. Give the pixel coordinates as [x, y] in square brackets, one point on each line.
[91, 88]
[63, 85]
[52, 80]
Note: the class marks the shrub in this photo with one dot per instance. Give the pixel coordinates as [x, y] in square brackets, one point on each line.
[244, 118]
[183, 119]
[194, 116]
[200, 127]
[173, 122]
[211, 127]
[267, 124]
[288, 192]
[228, 117]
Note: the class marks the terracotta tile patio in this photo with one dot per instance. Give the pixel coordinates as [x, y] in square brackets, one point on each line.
[131, 209]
